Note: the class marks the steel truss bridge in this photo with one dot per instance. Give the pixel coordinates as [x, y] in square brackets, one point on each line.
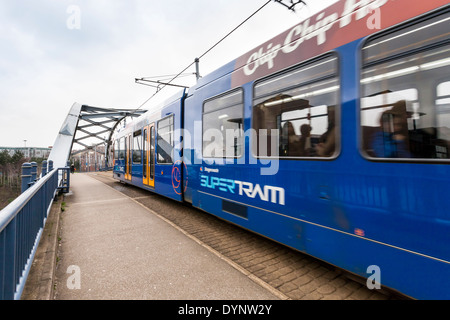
[23, 220]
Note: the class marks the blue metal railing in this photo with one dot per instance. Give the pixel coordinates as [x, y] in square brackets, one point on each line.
[21, 226]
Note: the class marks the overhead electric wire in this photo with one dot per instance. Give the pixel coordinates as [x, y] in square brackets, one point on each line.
[168, 76]
[203, 54]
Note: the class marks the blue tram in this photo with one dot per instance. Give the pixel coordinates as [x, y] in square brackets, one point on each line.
[333, 138]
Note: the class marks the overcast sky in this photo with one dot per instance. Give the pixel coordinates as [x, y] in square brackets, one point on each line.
[55, 53]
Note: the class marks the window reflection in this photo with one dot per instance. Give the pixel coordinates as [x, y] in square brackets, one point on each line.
[297, 111]
[405, 109]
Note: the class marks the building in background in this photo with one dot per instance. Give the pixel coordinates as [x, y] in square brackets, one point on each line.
[89, 160]
[29, 152]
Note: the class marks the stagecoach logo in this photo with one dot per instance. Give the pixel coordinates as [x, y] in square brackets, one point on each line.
[251, 190]
[206, 169]
[179, 183]
[314, 28]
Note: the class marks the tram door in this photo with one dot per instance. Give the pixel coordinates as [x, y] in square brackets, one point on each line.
[128, 157]
[149, 156]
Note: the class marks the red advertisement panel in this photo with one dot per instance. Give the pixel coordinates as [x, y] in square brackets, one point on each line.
[341, 23]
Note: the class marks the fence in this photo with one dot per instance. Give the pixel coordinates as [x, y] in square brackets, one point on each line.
[21, 226]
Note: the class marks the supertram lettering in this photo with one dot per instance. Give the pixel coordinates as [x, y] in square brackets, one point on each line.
[267, 193]
[226, 185]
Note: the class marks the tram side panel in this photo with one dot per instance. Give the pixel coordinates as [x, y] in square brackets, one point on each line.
[149, 152]
[271, 193]
[339, 207]
[168, 161]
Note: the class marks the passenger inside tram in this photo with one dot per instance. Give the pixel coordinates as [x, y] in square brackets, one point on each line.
[392, 140]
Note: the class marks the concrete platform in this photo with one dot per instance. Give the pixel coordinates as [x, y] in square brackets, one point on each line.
[112, 247]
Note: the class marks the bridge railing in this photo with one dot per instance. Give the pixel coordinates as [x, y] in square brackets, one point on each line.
[21, 226]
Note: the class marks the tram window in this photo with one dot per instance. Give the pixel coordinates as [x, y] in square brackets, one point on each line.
[137, 150]
[152, 152]
[294, 113]
[144, 153]
[116, 150]
[223, 126]
[165, 140]
[405, 103]
[121, 148]
[443, 104]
